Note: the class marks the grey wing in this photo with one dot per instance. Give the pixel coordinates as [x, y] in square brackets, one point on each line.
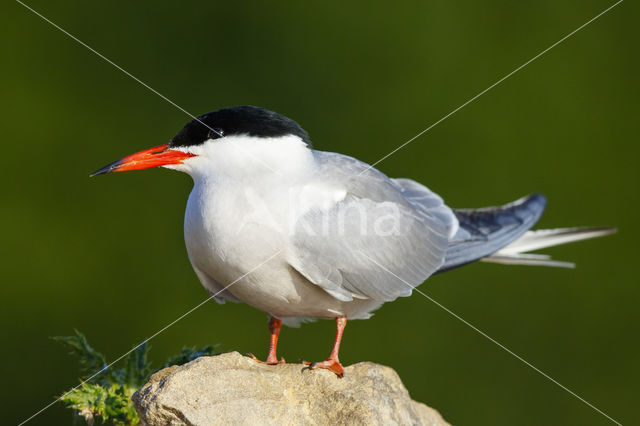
[429, 202]
[378, 242]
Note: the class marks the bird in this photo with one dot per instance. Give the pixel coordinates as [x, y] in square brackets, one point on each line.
[304, 234]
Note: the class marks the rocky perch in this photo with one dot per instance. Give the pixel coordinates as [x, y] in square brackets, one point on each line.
[232, 388]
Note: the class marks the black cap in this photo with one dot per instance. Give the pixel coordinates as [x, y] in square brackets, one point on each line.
[237, 120]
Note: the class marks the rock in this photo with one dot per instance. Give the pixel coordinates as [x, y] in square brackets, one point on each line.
[234, 389]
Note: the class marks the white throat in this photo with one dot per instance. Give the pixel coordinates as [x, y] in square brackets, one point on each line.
[247, 158]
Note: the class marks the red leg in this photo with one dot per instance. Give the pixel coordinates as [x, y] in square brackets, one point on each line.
[333, 362]
[274, 328]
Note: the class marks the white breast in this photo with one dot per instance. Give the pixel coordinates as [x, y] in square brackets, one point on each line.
[240, 213]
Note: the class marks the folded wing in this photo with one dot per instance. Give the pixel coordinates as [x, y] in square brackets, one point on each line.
[382, 239]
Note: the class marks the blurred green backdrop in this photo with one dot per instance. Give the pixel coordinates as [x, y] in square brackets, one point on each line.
[106, 255]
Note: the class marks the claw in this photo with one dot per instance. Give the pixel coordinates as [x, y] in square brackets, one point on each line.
[332, 365]
[268, 361]
[274, 330]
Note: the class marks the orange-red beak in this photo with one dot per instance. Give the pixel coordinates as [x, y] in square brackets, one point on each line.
[160, 155]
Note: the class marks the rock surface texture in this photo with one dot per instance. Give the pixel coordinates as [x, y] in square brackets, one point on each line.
[233, 389]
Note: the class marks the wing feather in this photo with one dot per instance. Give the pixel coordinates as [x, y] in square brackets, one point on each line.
[397, 223]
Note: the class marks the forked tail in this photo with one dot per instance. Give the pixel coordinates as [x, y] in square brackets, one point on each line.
[501, 235]
[516, 252]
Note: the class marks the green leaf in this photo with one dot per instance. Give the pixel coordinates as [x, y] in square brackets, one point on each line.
[189, 354]
[137, 369]
[106, 403]
[91, 361]
[109, 397]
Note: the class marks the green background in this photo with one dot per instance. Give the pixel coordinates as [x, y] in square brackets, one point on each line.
[106, 255]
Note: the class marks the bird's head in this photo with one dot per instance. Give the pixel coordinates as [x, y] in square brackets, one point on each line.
[213, 136]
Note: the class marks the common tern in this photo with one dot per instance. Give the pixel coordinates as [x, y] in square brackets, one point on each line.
[303, 234]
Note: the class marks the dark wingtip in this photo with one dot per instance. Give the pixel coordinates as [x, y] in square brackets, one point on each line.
[536, 198]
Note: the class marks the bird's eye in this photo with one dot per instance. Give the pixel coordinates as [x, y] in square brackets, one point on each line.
[215, 134]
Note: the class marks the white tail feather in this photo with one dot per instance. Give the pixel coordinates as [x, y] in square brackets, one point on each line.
[525, 259]
[516, 252]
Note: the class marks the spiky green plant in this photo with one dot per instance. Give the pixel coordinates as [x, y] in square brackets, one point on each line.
[106, 395]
